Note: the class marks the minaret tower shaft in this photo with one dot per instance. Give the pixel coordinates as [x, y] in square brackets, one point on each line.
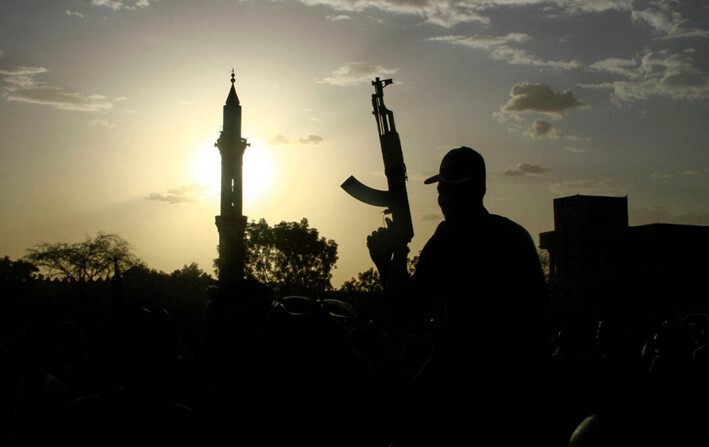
[231, 224]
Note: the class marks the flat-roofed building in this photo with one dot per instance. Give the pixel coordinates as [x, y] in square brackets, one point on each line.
[598, 262]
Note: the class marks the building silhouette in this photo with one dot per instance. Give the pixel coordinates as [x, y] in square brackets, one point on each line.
[598, 263]
[231, 224]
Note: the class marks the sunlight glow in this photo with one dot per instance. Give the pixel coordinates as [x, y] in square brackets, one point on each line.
[257, 170]
[206, 168]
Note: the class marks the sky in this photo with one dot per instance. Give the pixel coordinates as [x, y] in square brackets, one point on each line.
[109, 110]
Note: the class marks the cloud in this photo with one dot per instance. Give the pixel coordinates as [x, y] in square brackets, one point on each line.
[662, 175]
[448, 13]
[483, 42]
[100, 122]
[624, 67]
[310, 139]
[22, 87]
[117, 5]
[280, 140]
[686, 34]
[21, 70]
[502, 48]
[538, 98]
[338, 18]
[445, 13]
[516, 56]
[527, 168]
[660, 16]
[655, 73]
[577, 138]
[575, 150]
[664, 73]
[184, 194]
[74, 13]
[356, 73]
[58, 98]
[541, 129]
[579, 7]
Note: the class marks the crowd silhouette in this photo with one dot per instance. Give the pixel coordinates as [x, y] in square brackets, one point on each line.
[274, 370]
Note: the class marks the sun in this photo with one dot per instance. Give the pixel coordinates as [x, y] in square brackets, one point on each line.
[256, 172]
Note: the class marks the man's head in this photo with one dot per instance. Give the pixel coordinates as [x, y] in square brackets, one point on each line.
[461, 182]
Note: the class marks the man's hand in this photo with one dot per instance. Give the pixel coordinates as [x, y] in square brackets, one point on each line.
[381, 249]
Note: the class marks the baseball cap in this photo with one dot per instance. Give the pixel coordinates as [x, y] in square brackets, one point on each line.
[460, 165]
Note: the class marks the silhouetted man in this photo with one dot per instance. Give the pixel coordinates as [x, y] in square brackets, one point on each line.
[476, 264]
[479, 278]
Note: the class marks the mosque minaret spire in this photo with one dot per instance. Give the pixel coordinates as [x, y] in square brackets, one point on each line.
[231, 224]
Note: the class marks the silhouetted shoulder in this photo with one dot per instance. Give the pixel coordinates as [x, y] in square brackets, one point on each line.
[507, 225]
[499, 228]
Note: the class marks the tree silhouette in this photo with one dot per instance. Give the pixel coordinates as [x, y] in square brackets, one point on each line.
[192, 274]
[16, 271]
[370, 281]
[83, 261]
[367, 281]
[290, 257]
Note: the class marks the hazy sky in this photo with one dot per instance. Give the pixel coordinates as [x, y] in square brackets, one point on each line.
[109, 110]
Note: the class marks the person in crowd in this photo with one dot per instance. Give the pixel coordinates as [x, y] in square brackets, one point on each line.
[479, 281]
[140, 411]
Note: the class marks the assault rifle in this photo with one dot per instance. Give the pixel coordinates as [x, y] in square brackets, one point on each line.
[395, 200]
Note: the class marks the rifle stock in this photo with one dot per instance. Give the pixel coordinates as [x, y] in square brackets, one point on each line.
[395, 200]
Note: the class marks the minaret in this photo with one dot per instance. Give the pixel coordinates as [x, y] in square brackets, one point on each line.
[231, 224]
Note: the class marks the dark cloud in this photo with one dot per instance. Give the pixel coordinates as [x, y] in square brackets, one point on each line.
[541, 129]
[311, 139]
[184, 194]
[684, 80]
[540, 98]
[527, 168]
